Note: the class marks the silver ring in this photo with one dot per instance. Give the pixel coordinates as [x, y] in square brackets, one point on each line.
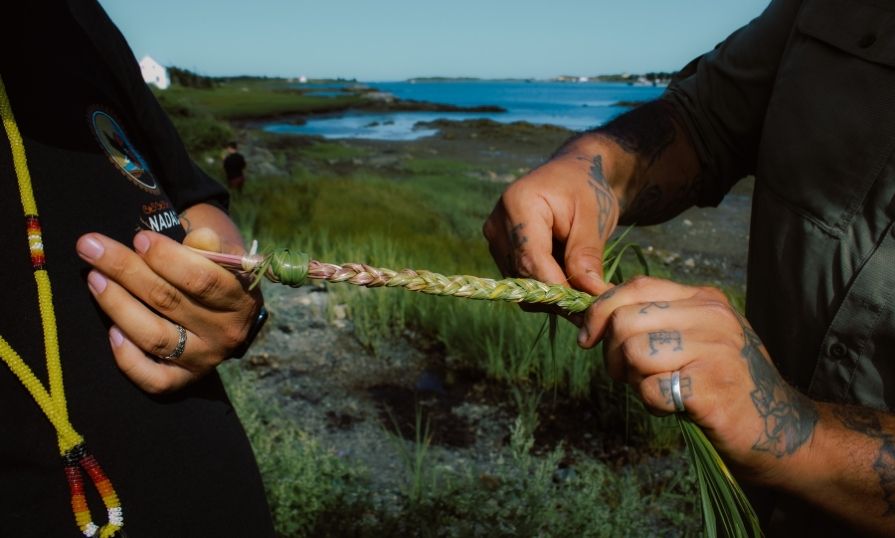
[676, 392]
[181, 344]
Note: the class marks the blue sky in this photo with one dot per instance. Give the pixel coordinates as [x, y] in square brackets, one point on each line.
[398, 39]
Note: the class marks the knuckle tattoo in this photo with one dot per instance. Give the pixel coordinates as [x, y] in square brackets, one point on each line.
[664, 383]
[660, 305]
[666, 339]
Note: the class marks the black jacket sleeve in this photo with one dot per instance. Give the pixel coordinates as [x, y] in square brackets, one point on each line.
[184, 182]
[722, 97]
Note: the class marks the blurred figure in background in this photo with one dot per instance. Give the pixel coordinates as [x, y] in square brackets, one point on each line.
[234, 167]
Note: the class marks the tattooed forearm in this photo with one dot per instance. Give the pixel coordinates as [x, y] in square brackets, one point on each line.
[789, 417]
[655, 171]
[646, 131]
[662, 185]
[860, 419]
[654, 203]
[867, 422]
[885, 469]
[646, 203]
[665, 338]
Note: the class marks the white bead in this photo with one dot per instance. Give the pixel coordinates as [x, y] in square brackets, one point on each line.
[116, 517]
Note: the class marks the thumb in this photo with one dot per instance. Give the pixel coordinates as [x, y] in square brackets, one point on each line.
[204, 239]
[584, 261]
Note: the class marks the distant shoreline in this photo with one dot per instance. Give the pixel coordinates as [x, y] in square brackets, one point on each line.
[396, 108]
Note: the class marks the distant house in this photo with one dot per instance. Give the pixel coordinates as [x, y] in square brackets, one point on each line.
[154, 73]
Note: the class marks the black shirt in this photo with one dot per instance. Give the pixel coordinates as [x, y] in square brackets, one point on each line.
[103, 157]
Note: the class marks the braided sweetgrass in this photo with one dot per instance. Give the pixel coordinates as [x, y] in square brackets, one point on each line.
[295, 268]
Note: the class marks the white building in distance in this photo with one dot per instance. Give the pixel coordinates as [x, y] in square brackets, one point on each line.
[154, 73]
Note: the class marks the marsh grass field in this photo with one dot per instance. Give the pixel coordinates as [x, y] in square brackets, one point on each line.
[387, 413]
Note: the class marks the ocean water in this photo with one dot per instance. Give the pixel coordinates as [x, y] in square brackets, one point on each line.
[575, 106]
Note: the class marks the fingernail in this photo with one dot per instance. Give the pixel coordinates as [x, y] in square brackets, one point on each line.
[141, 243]
[593, 275]
[96, 282]
[115, 337]
[583, 336]
[90, 248]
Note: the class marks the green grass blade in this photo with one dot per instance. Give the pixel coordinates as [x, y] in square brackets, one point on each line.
[641, 257]
[722, 498]
[553, 322]
[706, 496]
[612, 271]
[534, 345]
[610, 247]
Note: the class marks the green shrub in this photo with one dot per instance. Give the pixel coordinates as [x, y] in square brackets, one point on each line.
[536, 496]
[186, 78]
[202, 133]
[306, 485]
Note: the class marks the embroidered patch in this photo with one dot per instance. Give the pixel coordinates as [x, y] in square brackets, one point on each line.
[121, 152]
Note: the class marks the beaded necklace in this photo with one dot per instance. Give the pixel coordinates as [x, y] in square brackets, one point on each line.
[75, 458]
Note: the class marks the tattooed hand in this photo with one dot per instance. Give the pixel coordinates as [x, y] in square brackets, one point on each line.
[651, 328]
[553, 223]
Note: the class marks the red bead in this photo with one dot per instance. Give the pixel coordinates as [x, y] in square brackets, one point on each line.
[92, 467]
